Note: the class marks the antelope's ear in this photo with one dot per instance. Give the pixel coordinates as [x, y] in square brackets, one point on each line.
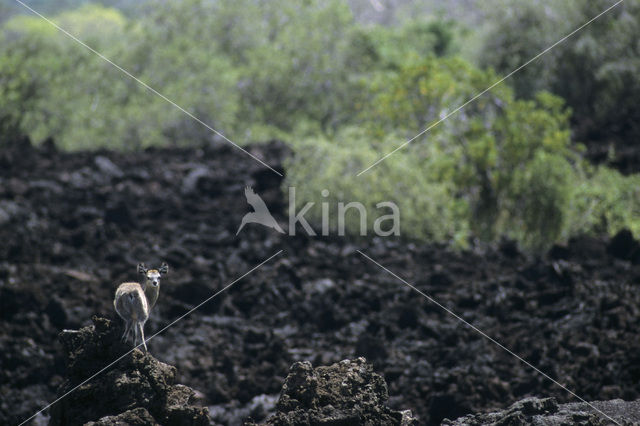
[164, 268]
[142, 269]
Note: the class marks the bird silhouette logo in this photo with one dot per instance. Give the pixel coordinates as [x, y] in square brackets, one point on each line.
[260, 213]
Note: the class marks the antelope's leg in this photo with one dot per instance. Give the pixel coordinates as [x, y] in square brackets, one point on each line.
[127, 329]
[141, 325]
[135, 333]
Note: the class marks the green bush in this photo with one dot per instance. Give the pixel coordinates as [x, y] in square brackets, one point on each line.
[595, 70]
[299, 75]
[18, 93]
[173, 50]
[344, 94]
[398, 46]
[84, 102]
[605, 202]
[501, 167]
[69, 84]
[252, 70]
[428, 206]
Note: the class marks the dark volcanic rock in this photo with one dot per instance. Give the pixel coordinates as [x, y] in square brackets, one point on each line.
[72, 227]
[624, 246]
[137, 389]
[547, 412]
[135, 417]
[345, 393]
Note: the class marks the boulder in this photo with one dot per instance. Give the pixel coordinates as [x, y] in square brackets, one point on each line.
[345, 393]
[136, 389]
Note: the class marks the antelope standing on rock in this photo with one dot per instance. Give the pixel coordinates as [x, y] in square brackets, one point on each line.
[134, 301]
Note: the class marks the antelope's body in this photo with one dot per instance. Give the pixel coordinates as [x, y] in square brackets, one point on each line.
[133, 302]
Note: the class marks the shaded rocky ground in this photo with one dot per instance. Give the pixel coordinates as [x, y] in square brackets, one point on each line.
[138, 389]
[547, 411]
[73, 226]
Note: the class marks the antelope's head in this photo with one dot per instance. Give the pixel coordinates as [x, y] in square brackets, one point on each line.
[152, 276]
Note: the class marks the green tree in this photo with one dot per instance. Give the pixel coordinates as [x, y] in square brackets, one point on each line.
[86, 103]
[64, 78]
[18, 93]
[595, 70]
[300, 76]
[499, 167]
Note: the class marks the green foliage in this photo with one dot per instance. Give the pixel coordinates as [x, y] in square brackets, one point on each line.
[18, 93]
[253, 70]
[410, 43]
[539, 198]
[428, 208]
[299, 73]
[500, 167]
[68, 82]
[92, 23]
[344, 94]
[172, 51]
[87, 103]
[30, 60]
[595, 70]
[488, 150]
[606, 202]
[10, 9]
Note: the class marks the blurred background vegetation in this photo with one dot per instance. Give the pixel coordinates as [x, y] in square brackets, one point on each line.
[540, 158]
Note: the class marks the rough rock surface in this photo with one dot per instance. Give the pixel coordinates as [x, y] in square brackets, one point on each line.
[345, 393]
[137, 389]
[547, 412]
[72, 227]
